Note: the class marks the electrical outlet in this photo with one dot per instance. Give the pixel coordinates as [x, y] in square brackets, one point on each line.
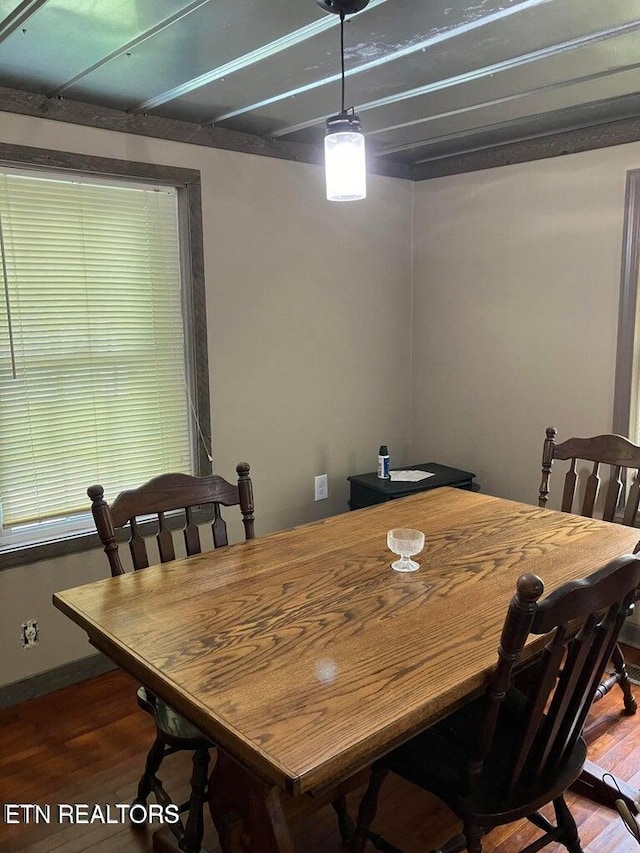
[30, 635]
[321, 485]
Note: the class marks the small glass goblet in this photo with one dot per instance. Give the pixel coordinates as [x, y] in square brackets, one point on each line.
[406, 543]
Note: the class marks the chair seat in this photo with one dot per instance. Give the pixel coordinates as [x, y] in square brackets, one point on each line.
[438, 759]
[170, 722]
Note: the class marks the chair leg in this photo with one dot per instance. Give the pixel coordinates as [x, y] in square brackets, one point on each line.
[194, 829]
[368, 808]
[455, 845]
[345, 824]
[154, 760]
[565, 821]
[621, 677]
[474, 835]
[619, 665]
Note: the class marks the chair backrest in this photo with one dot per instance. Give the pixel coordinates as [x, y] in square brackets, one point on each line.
[614, 450]
[582, 620]
[165, 494]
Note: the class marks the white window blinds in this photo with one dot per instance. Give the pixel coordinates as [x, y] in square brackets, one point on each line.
[92, 359]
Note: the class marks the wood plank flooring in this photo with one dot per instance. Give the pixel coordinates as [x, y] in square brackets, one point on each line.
[87, 743]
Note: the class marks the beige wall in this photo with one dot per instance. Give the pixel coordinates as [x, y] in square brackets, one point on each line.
[314, 360]
[515, 312]
[516, 290]
[308, 310]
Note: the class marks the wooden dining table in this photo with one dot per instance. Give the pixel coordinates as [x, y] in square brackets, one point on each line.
[305, 657]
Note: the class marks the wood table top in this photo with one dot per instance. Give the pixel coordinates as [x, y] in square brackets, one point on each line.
[306, 656]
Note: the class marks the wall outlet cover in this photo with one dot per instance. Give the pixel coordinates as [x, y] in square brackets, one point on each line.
[321, 487]
[30, 634]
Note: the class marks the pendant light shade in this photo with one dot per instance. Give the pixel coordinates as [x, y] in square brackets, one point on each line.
[344, 159]
[344, 148]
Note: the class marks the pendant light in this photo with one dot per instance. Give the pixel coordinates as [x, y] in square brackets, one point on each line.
[344, 149]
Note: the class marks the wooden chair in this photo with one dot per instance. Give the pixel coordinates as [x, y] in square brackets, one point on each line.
[159, 496]
[513, 750]
[624, 458]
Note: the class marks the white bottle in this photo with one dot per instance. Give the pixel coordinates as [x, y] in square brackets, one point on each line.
[383, 462]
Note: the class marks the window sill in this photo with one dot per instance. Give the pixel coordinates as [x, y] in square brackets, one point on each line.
[22, 554]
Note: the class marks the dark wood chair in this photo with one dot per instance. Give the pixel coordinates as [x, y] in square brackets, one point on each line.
[161, 496]
[515, 749]
[621, 500]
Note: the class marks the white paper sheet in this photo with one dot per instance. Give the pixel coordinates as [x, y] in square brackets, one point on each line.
[410, 476]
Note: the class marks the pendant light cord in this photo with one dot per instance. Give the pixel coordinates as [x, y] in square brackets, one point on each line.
[342, 54]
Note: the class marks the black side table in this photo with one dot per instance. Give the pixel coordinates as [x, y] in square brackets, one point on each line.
[369, 489]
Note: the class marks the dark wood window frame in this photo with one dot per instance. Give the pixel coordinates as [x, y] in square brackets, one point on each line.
[626, 397]
[187, 183]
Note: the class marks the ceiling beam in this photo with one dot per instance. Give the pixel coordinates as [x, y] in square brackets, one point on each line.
[90, 115]
[570, 142]
[539, 148]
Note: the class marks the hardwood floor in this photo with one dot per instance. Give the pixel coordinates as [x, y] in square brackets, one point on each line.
[87, 743]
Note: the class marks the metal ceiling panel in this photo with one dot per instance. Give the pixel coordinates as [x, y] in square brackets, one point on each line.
[526, 37]
[537, 104]
[471, 96]
[519, 130]
[209, 38]
[63, 38]
[429, 79]
[480, 53]
[382, 31]
[7, 7]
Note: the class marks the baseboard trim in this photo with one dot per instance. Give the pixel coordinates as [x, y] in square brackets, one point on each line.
[54, 679]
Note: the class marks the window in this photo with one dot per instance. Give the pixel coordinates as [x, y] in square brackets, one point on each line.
[98, 361]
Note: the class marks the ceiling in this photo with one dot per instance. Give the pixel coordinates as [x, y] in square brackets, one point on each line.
[439, 85]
